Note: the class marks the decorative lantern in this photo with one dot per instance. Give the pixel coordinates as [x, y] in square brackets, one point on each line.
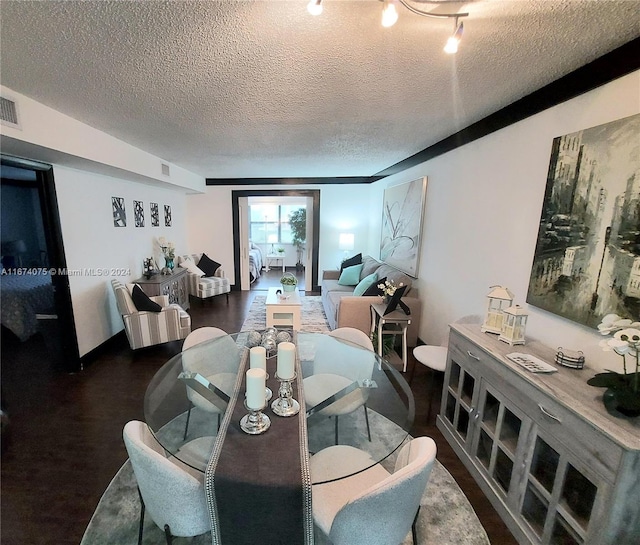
[498, 299]
[513, 325]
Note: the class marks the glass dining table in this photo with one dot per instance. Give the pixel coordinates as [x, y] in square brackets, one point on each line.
[351, 396]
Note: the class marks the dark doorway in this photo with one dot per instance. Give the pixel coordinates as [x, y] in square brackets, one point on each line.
[34, 265]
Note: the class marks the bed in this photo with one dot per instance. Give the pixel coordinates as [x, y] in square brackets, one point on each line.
[255, 262]
[24, 296]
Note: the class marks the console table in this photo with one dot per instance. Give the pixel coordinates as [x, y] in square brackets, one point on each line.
[174, 285]
[554, 464]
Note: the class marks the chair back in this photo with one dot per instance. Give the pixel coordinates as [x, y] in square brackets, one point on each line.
[353, 335]
[198, 356]
[171, 494]
[347, 359]
[124, 302]
[359, 521]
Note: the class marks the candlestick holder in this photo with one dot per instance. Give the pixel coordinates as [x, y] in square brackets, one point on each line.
[256, 422]
[268, 394]
[285, 405]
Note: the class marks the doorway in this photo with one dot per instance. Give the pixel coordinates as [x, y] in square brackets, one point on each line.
[32, 248]
[242, 237]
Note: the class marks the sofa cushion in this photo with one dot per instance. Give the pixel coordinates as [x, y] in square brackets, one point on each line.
[142, 302]
[350, 276]
[191, 267]
[355, 260]
[373, 289]
[208, 265]
[365, 283]
[369, 265]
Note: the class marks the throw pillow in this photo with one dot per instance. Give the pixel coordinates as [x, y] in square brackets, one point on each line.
[355, 260]
[208, 265]
[191, 267]
[364, 284]
[350, 276]
[373, 289]
[142, 302]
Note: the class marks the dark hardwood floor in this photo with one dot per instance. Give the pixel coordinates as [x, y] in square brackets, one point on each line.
[63, 444]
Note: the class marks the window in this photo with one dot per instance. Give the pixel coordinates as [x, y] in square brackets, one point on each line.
[270, 223]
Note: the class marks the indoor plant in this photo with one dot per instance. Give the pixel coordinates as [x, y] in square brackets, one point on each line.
[298, 223]
[289, 282]
[623, 389]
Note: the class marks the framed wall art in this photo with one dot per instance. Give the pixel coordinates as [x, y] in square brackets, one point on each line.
[155, 215]
[119, 213]
[587, 257]
[402, 215]
[167, 215]
[138, 213]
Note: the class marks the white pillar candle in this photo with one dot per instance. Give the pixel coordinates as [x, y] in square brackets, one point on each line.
[286, 360]
[256, 384]
[258, 358]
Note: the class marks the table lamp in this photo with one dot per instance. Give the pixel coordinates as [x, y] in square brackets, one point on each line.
[346, 242]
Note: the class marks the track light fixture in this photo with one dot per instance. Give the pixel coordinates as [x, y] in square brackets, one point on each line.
[314, 7]
[390, 16]
[454, 40]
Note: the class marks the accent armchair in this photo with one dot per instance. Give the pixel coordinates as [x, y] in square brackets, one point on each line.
[145, 328]
[204, 287]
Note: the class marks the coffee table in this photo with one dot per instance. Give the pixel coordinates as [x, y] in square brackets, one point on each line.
[283, 309]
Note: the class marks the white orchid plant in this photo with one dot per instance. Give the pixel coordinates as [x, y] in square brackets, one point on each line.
[625, 341]
[168, 248]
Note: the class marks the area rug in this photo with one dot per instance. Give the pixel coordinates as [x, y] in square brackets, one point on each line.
[446, 516]
[312, 316]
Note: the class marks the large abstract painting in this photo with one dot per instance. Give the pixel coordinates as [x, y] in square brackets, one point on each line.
[402, 211]
[587, 257]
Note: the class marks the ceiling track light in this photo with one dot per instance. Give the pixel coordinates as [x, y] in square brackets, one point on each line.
[390, 16]
[314, 7]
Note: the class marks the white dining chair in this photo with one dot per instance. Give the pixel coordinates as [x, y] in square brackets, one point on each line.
[373, 506]
[337, 365]
[170, 491]
[217, 365]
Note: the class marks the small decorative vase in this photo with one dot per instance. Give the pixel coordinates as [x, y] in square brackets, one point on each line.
[169, 263]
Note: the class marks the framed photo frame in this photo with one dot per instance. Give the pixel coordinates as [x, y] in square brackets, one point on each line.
[402, 217]
[395, 301]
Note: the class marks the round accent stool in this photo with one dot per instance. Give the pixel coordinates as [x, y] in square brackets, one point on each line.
[435, 358]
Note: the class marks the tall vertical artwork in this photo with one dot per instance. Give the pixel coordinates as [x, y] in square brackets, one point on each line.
[402, 211]
[138, 213]
[155, 215]
[167, 215]
[119, 213]
[587, 257]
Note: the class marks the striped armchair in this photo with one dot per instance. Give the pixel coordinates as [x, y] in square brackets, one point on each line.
[204, 287]
[144, 328]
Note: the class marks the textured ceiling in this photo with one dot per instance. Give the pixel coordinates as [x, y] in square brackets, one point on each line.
[232, 89]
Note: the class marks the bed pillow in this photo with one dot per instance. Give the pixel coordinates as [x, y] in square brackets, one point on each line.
[355, 260]
[142, 302]
[373, 289]
[350, 276]
[191, 267]
[365, 283]
[208, 265]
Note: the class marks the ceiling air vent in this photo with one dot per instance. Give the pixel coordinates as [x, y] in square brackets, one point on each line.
[165, 170]
[9, 112]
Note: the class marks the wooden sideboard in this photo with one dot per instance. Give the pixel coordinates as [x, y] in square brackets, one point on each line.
[555, 465]
[174, 285]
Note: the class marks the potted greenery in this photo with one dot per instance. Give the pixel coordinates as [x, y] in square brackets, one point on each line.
[623, 389]
[298, 223]
[289, 282]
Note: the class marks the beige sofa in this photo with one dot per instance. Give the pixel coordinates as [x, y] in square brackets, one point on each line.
[343, 309]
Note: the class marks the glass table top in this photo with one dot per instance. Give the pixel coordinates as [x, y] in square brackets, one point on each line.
[351, 397]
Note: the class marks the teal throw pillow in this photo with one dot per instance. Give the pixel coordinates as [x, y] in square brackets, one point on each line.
[350, 276]
[365, 283]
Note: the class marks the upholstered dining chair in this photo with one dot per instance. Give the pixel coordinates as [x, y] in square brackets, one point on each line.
[373, 506]
[171, 492]
[336, 366]
[219, 368]
[145, 328]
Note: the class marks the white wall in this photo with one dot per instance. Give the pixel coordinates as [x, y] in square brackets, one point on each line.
[92, 242]
[343, 208]
[482, 213]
